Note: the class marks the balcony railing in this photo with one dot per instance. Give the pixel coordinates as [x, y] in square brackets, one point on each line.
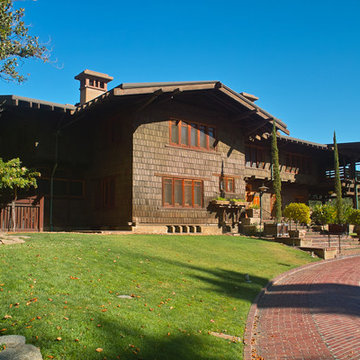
[345, 174]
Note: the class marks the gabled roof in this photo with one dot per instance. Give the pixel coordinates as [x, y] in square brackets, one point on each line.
[240, 106]
[304, 142]
[240, 109]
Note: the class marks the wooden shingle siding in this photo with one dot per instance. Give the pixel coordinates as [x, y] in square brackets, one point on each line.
[154, 158]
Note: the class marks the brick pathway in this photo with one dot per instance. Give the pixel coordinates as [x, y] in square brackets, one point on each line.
[310, 313]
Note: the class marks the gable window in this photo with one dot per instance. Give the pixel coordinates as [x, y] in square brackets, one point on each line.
[179, 192]
[192, 135]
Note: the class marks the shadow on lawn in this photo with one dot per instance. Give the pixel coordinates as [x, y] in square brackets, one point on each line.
[119, 342]
[228, 282]
[173, 347]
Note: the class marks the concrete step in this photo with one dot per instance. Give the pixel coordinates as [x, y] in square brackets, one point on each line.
[323, 248]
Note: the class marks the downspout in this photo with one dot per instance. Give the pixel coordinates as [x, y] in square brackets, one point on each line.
[51, 206]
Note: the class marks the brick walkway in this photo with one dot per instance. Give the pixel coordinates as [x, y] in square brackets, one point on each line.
[310, 313]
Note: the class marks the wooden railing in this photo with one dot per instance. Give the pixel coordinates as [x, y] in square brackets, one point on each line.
[345, 174]
[29, 216]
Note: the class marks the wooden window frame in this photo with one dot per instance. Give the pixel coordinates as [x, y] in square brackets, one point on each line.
[227, 180]
[190, 125]
[183, 204]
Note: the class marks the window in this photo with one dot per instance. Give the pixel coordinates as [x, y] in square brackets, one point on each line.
[229, 184]
[182, 192]
[105, 193]
[192, 135]
[255, 157]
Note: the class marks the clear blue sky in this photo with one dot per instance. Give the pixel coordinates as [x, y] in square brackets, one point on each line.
[301, 58]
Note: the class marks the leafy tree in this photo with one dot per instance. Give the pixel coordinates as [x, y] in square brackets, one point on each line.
[13, 177]
[15, 42]
[298, 212]
[276, 174]
[339, 206]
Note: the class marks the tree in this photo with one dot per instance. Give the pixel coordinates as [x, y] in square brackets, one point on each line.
[276, 174]
[338, 204]
[298, 212]
[13, 177]
[15, 42]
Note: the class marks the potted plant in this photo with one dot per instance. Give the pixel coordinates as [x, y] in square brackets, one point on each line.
[238, 202]
[220, 201]
[354, 219]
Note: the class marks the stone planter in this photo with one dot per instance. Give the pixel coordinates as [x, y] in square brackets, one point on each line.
[338, 229]
[220, 202]
[299, 234]
[238, 203]
[253, 213]
[277, 229]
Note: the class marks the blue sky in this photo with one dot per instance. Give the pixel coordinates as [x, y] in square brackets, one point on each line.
[301, 58]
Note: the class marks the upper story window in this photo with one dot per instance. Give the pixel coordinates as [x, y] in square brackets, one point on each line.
[192, 135]
[255, 156]
[182, 192]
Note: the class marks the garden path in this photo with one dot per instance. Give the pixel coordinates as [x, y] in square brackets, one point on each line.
[312, 312]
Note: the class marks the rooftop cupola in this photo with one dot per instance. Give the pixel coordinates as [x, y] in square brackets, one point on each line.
[92, 84]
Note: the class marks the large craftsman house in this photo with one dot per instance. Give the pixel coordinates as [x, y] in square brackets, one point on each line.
[150, 157]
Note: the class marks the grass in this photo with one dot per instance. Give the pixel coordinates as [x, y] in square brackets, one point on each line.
[61, 292]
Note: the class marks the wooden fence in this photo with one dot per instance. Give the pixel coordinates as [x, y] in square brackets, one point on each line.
[29, 216]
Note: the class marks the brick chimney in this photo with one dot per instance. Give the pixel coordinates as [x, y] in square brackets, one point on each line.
[92, 84]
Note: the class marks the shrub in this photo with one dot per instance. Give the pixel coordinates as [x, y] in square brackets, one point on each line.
[237, 200]
[323, 214]
[354, 217]
[327, 214]
[298, 212]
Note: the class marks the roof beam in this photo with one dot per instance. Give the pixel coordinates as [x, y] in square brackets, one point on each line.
[222, 103]
[236, 98]
[150, 100]
[254, 129]
[165, 88]
[244, 115]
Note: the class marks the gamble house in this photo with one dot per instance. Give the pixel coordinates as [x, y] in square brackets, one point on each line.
[152, 157]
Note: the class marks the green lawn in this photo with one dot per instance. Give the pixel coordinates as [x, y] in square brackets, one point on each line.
[66, 286]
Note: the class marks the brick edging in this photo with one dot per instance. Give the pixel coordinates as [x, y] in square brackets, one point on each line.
[250, 322]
